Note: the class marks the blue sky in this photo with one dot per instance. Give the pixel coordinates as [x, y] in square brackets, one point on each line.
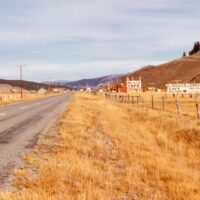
[74, 39]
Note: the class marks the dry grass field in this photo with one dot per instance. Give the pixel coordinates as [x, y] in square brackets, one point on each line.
[105, 150]
[187, 102]
[12, 98]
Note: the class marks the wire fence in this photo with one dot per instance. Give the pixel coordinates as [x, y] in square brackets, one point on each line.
[179, 104]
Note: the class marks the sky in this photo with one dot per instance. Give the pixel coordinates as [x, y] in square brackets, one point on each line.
[75, 39]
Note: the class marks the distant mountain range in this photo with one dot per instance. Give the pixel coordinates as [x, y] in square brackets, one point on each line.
[92, 83]
[84, 83]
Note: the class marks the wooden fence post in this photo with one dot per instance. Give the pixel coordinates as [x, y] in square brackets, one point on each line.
[133, 100]
[197, 107]
[138, 102]
[178, 108]
[152, 102]
[142, 101]
[163, 102]
[198, 113]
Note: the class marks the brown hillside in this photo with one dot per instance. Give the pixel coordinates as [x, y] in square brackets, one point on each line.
[186, 69]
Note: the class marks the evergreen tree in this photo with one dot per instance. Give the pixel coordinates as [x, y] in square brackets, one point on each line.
[195, 49]
[184, 54]
[198, 46]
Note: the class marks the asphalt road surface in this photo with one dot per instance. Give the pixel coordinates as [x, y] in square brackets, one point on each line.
[20, 126]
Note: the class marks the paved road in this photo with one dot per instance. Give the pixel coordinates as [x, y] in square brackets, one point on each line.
[20, 125]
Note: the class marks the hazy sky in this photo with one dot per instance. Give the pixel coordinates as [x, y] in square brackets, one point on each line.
[73, 39]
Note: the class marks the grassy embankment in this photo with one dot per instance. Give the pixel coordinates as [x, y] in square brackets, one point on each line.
[106, 150]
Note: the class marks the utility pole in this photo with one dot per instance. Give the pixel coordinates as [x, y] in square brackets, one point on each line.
[49, 86]
[21, 79]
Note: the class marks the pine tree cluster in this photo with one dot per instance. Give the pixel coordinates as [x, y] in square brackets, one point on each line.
[195, 49]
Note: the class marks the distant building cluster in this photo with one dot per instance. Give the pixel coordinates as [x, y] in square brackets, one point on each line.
[183, 87]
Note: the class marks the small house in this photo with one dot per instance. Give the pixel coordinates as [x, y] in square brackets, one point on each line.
[42, 91]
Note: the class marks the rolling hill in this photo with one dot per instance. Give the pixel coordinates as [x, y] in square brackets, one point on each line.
[185, 69]
[28, 85]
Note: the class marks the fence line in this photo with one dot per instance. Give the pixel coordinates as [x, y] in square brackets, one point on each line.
[180, 104]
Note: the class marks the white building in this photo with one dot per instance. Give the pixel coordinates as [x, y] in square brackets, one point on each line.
[89, 90]
[183, 87]
[42, 91]
[134, 85]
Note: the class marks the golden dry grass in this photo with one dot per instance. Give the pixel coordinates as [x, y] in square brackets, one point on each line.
[106, 150]
[186, 101]
[12, 98]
